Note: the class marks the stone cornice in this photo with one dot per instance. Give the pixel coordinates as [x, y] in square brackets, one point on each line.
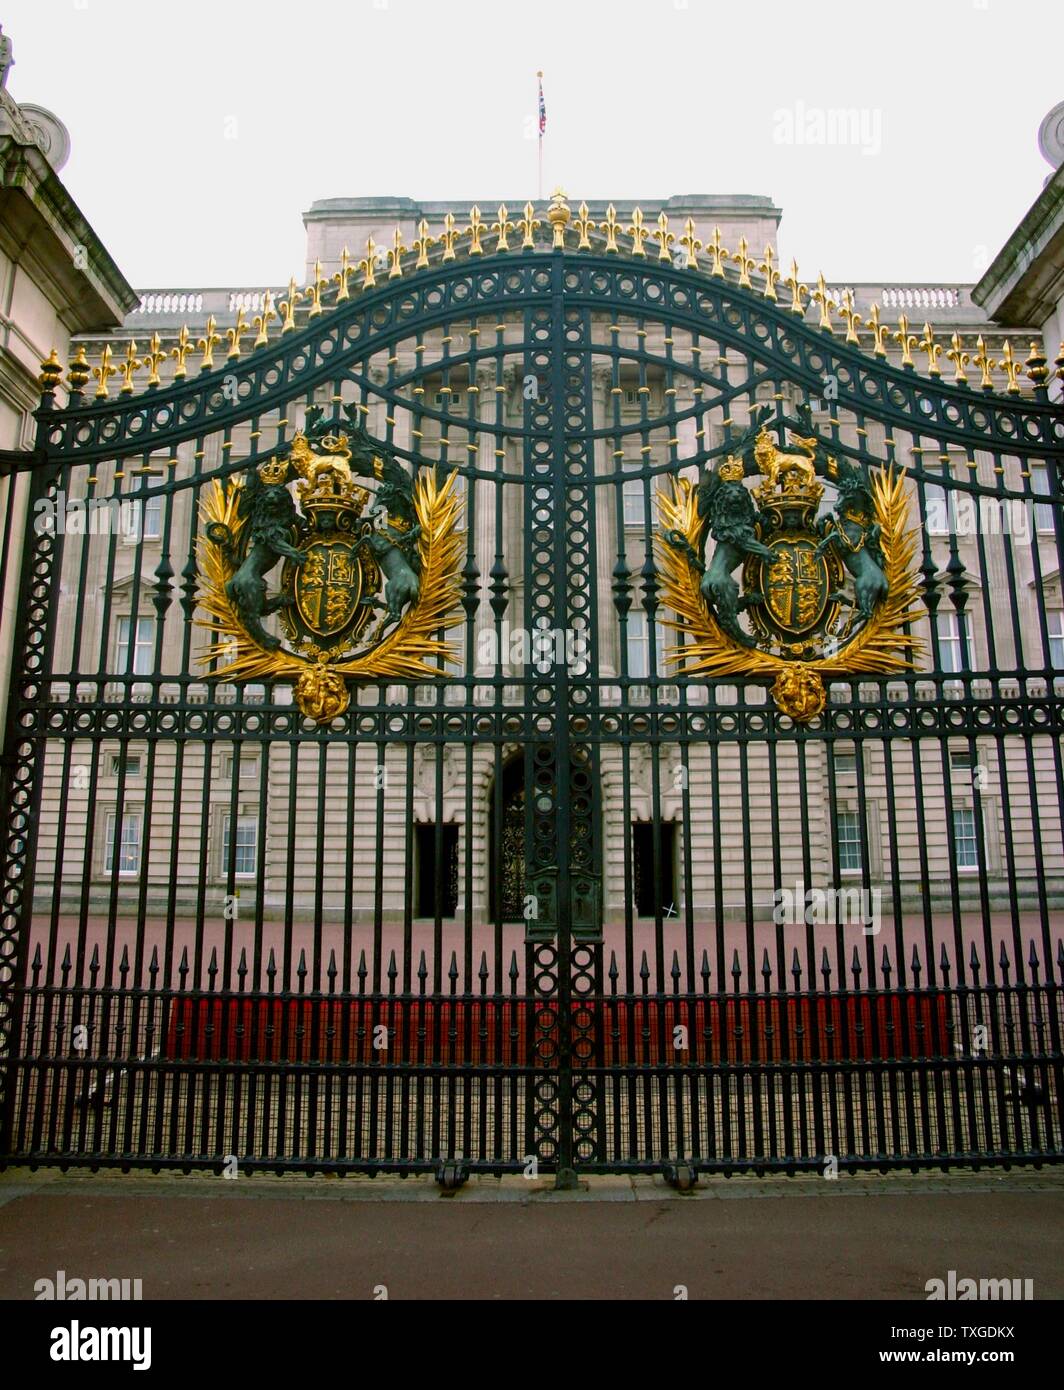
[1025, 282]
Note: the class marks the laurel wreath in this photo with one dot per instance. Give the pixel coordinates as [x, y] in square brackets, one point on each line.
[881, 647]
[404, 654]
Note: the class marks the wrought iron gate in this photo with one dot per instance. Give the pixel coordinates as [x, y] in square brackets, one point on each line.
[215, 944]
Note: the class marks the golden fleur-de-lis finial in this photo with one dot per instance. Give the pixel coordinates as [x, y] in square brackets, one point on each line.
[502, 228]
[288, 307]
[234, 334]
[984, 364]
[689, 246]
[771, 274]
[584, 227]
[879, 332]
[154, 358]
[849, 316]
[104, 372]
[934, 351]
[612, 228]
[1010, 367]
[422, 245]
[368, 264]
[343, 275]
[207, 343]
[745, 263]
[664, 238]
[395, 255]
[717, 255]
[314, 289]
[906, 340]
[528, 226]
[959, 358]
[261, 322]
[179, 353]
[797, 290]
[475, 231]
[637, 232]
[824, 301]
[1058, 363]
[130, 366]
[79, 371]
[448, 237]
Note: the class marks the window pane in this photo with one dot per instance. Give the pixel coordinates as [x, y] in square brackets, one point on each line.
[247, 836]
[129, 845]
[966, 848]
[849, 840]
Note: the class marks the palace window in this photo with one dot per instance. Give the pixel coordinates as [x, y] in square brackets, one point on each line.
[127, 762]
[436, 873]
[1055, 629]
[153, 517]
[1043, 511]
[128, 844]
[246, 848]
[639, 645]
[954, 642]
[965, 838]
[937, 510]
[634, 494]
[849, 841]
[650, 897]
[143, 646]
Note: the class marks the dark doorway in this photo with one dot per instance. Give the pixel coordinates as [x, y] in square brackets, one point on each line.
[648, 900]
[433, 874]
[506, 841]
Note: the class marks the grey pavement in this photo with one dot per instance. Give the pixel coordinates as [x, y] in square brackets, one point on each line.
[200, 1237]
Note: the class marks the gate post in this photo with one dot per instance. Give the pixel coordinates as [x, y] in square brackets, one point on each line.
[21, 763]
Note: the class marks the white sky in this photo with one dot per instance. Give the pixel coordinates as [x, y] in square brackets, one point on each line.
[202, 129]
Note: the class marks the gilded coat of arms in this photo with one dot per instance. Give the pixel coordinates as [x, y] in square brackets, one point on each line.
[822, 594]
[369, 573]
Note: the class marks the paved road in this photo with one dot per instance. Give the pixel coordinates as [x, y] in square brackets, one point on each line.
[197, 1237]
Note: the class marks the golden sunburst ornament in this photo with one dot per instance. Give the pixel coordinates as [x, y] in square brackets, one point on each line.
[340, 628]
[807, 624]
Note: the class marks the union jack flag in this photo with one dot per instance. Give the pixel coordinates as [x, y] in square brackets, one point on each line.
[542, 109]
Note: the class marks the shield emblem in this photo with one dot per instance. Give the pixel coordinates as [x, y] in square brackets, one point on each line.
[796, 584]
[328, 586]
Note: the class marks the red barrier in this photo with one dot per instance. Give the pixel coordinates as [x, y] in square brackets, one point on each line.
[488, 1032]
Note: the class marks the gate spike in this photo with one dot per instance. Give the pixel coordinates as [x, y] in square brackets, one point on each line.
[212, 965]
[483, 971]
[796, 967]
[153, 965]
[422, 972]
[332, 971]
[1003, 959]
[242, 967]
[736, 968]
[362, 972]
[301, 968]
[885, 968]
[704, 972]
[452, 973]
[1060, 955]
[1032, 959]
[943, 963]
[914, 965]
[766, 968]
[94, 963]
[613, 972]
[271, 968]
[514, 970]
[68, 963]
[973, 960]
[37, 963]
[182, 968]
[825, 965]
[123, 964]
[393, 969]
[855, 966]
[675, 972]
[644, 970]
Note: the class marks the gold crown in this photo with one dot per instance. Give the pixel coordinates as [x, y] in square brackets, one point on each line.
[732, 470]
[276, 471]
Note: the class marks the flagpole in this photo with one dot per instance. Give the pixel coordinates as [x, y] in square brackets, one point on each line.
[542, 124]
